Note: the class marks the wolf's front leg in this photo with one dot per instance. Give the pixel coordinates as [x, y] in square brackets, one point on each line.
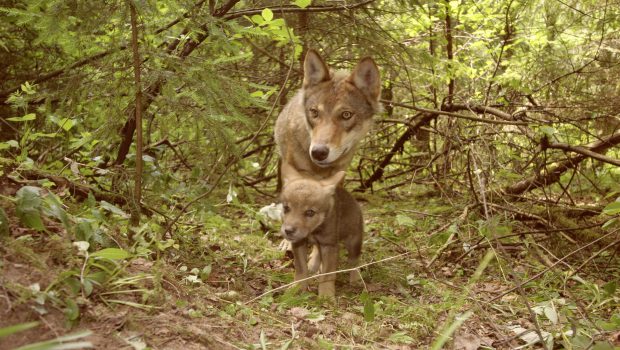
[329, 263]
[300, 253]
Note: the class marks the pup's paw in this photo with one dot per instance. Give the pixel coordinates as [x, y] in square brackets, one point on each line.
[327, 290]
[285, 246]
[355, 278]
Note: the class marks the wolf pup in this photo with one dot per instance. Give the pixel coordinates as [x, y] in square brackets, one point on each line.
[321, 127]
[321, 213]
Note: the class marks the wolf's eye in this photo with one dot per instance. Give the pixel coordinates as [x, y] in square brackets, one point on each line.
[286, 209]
[313, 112]
[346, 115]
[309, 213]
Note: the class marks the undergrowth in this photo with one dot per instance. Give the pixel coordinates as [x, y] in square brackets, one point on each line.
[435, 276]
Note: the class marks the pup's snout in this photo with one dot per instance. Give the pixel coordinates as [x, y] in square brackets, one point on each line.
[319, 152]
[289, 231]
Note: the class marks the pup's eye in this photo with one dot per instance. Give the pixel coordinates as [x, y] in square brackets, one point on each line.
[309, 213]
[286, 209]
[346, 115]
[313, 112]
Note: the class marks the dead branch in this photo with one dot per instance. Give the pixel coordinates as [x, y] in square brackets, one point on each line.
[584, 151]
[77, 190]
[544, 179]
[447, 112]
[398, 145]
[294, 9]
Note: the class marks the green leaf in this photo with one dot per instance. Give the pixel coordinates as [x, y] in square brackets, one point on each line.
[83, 230]
[205, 272]
[612, 208]
[610, 288]
[65, 123]
[88, 287]
[113, 209]
[401, 337]
[369, 307]
[56, 210]
[548, 130]
[267, 14]
[27, 117]
[302, 3]
[8, 144]
[64, 342]
[610, 223]
[404, 220]
[6, 331]
[551, 313]
[257, 19]
[4, 223]
[28, 207]
[600, 345]
[72, 311]
[111, 253]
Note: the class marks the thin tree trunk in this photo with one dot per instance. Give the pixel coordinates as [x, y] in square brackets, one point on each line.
[137, 193]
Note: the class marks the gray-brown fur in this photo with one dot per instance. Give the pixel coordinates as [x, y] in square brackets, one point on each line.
[321, 214]
[319, 130]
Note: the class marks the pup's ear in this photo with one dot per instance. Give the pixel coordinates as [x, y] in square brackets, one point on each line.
[366, 77]
[289, 173]
[333, 181]
[315, 69]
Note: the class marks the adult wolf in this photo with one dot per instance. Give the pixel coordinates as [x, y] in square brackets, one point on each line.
[319, 130]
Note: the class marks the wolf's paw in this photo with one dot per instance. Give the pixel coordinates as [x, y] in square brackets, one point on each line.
[285, 246]
[299, 287]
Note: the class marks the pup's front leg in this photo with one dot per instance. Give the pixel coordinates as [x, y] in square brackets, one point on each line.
[329, 263]
[300, 254]
[315, 260]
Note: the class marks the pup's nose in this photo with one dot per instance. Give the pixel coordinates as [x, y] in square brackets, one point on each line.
[320, 152]
[288, 231]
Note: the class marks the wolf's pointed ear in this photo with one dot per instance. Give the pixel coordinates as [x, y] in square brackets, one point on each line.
[315, 69]
[366, 77]
[333, 181]
[289, 173]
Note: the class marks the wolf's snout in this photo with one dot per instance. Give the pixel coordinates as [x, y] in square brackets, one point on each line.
[319, 152]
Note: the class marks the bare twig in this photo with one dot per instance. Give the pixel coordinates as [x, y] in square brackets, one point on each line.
[536, 276]
[326, 274]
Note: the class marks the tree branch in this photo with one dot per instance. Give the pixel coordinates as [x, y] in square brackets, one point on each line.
[488, 110]
[398, 145]
[45, 77]
[293, 9]
[584, 151]
[543, 180]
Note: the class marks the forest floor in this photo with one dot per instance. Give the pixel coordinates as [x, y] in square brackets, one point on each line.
[421, 289]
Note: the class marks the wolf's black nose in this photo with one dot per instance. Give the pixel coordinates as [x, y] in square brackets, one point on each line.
[319, 152]
[289, 231]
